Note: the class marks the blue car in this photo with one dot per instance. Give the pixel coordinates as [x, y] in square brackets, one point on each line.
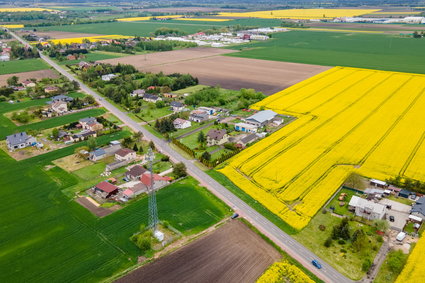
[316, 263]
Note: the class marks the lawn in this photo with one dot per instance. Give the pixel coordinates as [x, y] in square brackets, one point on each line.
[7, 127]
[340, 256]
[153, 114]
[342, 210]
[372, 51]
[161, 166]
[42, 231]
[18, 66]
[190, 89]
[386, 274]
[192, 140]
[94, 56]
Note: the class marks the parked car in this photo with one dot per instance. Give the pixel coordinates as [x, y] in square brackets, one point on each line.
[392, 218]
[234, 216]
[316, 263]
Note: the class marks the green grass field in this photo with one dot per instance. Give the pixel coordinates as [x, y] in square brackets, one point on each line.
[19, 66]
[46, 237]
[7, 127]
[373, 51]
[146, 27]
[94, 56]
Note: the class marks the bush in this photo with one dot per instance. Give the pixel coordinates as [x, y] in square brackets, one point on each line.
[367, 263]
[341, 242]
[165, 158]
[328, 242]
[343, 250]
[380, 239]
[322, 227]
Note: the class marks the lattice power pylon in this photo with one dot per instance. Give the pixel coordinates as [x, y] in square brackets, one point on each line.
[153, 209]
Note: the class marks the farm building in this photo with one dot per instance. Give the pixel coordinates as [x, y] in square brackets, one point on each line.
[158, 181]
[105, 189]
[199, 116]
[247, 128]
[378, 183]
[367, 209]
[19, 140]
[248, 139]
[261, 118]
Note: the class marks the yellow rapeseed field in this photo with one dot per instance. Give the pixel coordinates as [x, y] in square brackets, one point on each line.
[8, 10]
[12, 26]
[395, 13]
[284, 272]
[348, 119]
[91, 38]
[414, 270]
[301, 13]
[203, 19]
[134, 19]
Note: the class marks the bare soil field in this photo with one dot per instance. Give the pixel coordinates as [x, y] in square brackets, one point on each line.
[29, 75]
[232, 253]
[229, 72]
[61, 34]
[366, 27]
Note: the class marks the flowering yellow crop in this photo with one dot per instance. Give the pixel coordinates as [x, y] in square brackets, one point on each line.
[203, 19]
[91, 38]
[284, 272]
[348, 120]
[414, 270]
[8, 10]
[135, 19]
[395, 13]
[301, 13]
[12, 26]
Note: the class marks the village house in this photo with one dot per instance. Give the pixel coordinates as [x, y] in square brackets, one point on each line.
[70, 57]
[177, 106]
[170, 95]
[367, 209]
[181, 123]
[199, 116]
[91, 124]
[247, 128]
[60, 97]
[418, 208]
[125, 154]
[83, 135]
[157, 181]
[108, 77]
[59, 107]
[19, 140]
[135, 172]
[105, 189]
[138, 93]
[261, 118]
[51, 89]
[151, 98]
[248, 139]
[84, 65]
[28, 83]
[217, 137]
[97, 154]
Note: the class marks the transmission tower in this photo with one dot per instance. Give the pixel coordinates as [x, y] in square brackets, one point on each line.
[153, 210]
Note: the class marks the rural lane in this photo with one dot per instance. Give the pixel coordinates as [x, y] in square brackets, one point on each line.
[282, 239]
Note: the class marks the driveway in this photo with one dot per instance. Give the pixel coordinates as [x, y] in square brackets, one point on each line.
[400, 212]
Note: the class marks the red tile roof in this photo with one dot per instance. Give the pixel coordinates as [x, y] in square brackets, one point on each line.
[146, 178]
[106, 187]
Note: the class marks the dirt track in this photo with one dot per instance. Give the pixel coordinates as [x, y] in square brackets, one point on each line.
[233, 253]
[29, 75]
[211, 68]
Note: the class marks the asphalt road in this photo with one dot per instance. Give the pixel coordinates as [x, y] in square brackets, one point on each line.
[286, 242]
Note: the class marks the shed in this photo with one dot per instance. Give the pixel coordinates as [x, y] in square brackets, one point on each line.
[404, 193]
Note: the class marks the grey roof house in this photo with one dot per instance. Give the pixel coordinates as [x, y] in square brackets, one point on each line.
[418, 208]
[19, 140]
